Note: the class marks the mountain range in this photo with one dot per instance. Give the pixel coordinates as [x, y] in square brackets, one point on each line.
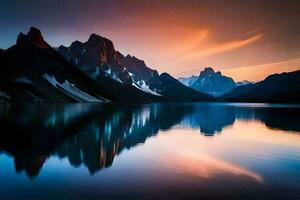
[94, 71]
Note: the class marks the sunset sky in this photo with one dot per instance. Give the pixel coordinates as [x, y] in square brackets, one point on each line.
[243, 39]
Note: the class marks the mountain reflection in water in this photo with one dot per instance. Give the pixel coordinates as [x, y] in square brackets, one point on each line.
[93, 134]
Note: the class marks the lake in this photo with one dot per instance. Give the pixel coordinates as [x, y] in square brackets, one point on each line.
[155, 151]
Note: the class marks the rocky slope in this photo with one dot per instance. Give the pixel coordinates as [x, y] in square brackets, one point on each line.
[283, 87]
[98, 56]
[31, 70]
[210, 82]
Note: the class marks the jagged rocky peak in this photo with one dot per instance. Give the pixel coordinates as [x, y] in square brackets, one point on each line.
[100, 42]
[137, 67]
[96, 52]
[130, 62]
[76, 44]
[209, 81]
[22, 39]
[94, 37]
[98, 55]
[135, 59]
[207, 70]
[34, 36]
[213, 83]
[166, 75]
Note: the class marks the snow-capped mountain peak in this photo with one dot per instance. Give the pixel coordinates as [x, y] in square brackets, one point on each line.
[210, 82]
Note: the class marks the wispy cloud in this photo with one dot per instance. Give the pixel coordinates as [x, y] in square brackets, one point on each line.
[284, 62]
[261, 71]
[224, 47]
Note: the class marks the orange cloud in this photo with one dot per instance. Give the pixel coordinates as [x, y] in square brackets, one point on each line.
[192, 41]
[224, 47]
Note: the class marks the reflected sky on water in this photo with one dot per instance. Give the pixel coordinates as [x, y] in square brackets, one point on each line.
[162, 151]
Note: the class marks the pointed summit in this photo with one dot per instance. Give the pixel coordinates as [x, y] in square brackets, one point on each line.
[22, 39]
[35, 37]
[213, 83]
[207, 70]
[35, 33]
[210, 82]
[94, 37]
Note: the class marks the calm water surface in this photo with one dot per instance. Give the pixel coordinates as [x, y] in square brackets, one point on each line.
[156, 151]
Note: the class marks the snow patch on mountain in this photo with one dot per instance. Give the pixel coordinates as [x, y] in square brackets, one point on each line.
[210, 82]
[188, 81]
[116, 78]
[142, 86]
[109, 73]
[23, 80]
[70, 90]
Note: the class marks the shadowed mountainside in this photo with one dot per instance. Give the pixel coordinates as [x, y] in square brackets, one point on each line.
[283, 87]
[98, 58]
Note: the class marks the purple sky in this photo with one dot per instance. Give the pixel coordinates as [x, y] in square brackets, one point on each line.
[243, 39]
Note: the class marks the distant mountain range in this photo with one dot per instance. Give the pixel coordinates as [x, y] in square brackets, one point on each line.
[245, 82]
[93, 71]
[283, 87]
[210, 82]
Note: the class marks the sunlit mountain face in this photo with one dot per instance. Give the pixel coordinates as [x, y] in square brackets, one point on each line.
[157, 149]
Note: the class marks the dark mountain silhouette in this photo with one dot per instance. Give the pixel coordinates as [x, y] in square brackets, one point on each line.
[33, 71]
[138, 68]
[99, 55]
[237, 91]
[210, 82]
[244, 82]
[94, 71]
[168, 86]
[283, 87]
